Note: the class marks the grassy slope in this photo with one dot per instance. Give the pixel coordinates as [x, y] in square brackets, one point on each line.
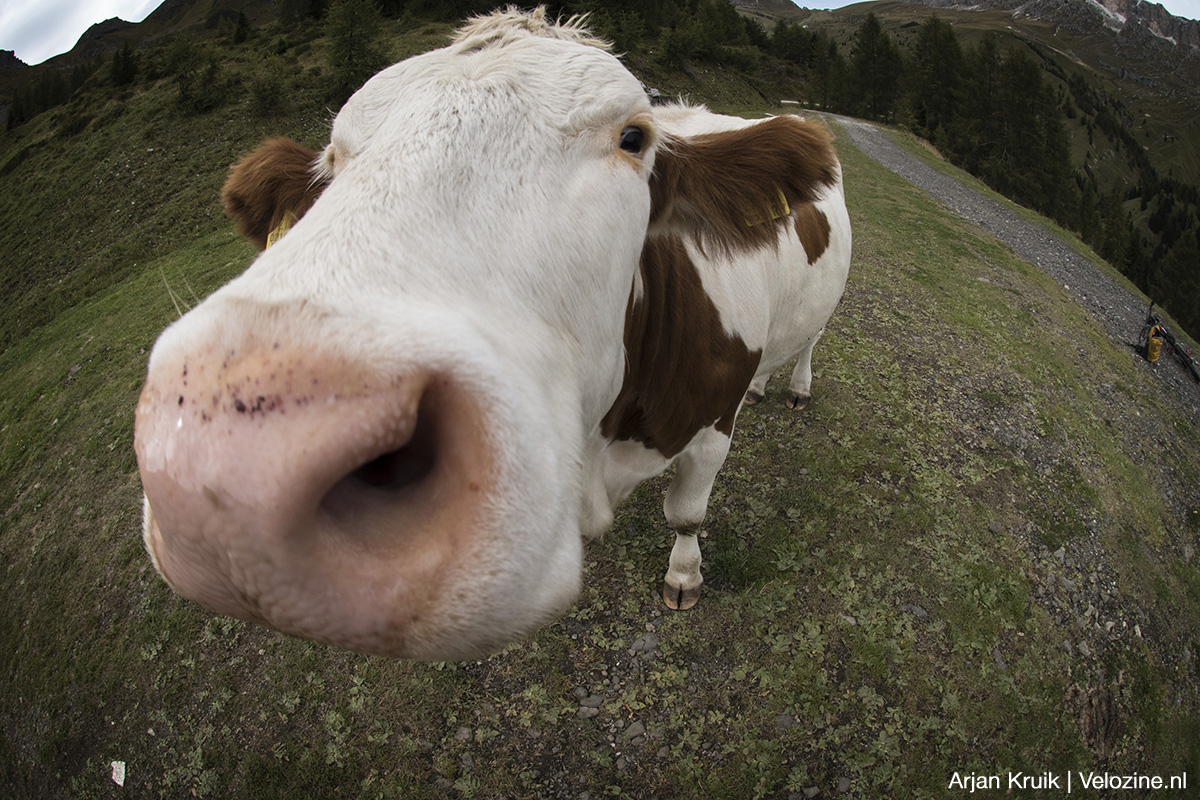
[92, 189]
[879, 607]
[923, 150]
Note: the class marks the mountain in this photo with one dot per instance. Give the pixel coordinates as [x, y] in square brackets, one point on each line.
[1084, 16]
[171, 17]
[767, 11]
[177, 15]
[9, 60]
[98, 39]
[104, 38]
[1157, 19]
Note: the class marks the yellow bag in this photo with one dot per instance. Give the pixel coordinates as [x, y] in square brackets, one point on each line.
[1154, 345]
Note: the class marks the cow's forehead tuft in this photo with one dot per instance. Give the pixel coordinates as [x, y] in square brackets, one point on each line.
[504, 27]
[562, 84]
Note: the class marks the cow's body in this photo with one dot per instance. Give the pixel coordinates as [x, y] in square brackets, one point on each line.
[518, 292]
[709, 328]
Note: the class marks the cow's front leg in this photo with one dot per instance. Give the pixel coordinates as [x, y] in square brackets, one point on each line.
[681, 587]
[684, 507]
[625, 465]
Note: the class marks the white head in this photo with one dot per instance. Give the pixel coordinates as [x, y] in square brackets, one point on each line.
[341, 442]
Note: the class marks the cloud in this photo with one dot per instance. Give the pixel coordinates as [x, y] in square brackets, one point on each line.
[39, 29]
[1190, 9]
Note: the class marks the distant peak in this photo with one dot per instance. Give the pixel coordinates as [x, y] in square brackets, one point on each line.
[1114, 14]
[106, 27]
[8, 59]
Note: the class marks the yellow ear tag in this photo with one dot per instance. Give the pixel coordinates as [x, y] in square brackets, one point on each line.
[774, 211]
[285, 225]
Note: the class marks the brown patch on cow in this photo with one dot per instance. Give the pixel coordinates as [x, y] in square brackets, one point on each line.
[682, 371]
[271, 181]
[812, 226]
[713, 186]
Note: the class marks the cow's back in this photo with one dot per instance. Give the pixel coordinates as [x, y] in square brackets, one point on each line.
[776, 299]
[807, 278]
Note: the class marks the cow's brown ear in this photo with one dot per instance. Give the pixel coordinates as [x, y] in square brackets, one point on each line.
[734, 189]
[275, 180]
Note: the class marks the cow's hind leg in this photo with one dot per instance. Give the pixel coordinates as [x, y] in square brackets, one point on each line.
[758, 389]
[800, 391]
[684, 507]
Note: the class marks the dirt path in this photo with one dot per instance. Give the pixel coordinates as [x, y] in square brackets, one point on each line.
[1121, 314]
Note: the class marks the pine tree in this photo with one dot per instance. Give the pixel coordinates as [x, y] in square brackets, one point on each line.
[17, 112]
[830, 74]
[242, 32]
[977, 126]
[1116, 230]
[185, 63]
[1137, 260]
[1087, 217]
[875, 68]
[1178, 281]
[124, 67]
[352, 28]
[793, 43]
[1054, 172]
[936, 77]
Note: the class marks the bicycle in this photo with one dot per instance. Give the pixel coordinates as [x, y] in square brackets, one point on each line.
[1155, 335]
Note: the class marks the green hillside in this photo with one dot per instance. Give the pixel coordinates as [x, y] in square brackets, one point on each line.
[118, 175]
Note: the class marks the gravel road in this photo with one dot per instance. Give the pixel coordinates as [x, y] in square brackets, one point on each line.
[1120, 313]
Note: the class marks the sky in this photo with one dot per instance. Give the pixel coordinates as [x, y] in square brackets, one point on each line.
[39, 29]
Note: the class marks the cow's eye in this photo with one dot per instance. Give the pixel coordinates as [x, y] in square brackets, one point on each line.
[633, 139]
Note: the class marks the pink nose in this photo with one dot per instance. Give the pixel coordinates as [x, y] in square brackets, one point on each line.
[311, 493]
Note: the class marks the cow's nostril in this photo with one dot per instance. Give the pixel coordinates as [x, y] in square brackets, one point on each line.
[404, 474]
[397, 469]
[409, 463]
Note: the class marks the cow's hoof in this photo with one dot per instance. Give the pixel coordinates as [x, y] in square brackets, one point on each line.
[798, 402]
[753, 397]
[680, 599]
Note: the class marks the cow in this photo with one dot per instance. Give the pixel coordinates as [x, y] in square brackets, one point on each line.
[509, 290]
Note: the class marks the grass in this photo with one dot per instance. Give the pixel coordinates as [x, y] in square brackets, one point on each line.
[885, 602]
[108, 194]
[915, 146]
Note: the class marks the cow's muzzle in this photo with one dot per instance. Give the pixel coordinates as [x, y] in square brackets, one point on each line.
[319, 496]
